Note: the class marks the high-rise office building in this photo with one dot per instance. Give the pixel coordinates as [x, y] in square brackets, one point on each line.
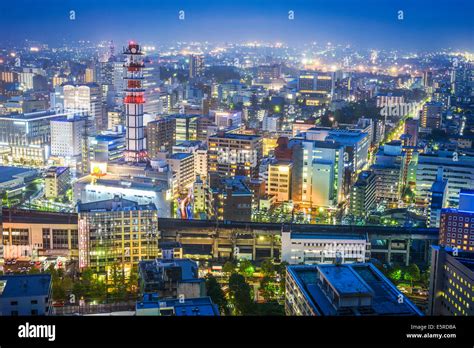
[86, 99]
[456, 226]
[57, 182]
[461, 79]
[321, 174]
[186, 127]
[67, 136]
[231, 199]
[438, 199]
[315, 88]
[362, 198]
[116, 234]
[458, 170]
[160, 135]
[427, 78]
[451, 291]
[28, 136]
[196, 65]
[235, 154]
[279, 180]
[151, 83]
[431, 115]
[182, 166]
[388, 170]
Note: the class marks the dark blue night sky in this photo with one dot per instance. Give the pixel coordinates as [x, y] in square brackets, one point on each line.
[428, 24]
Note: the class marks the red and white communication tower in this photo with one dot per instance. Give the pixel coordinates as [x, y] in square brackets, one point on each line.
[134, 100]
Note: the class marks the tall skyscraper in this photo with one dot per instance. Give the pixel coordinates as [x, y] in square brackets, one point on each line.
[362, 199]
[451, 279]
[67, 135]
[235, 154]
[103, 225]
[86, 98]
[134, 100]
[427, 78]
[431, 115]
[160, 135]
[196, 65]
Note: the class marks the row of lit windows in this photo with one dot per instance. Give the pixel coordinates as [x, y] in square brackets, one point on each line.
[463, 281]
[459, 298]
[458, 307]
[460, 218]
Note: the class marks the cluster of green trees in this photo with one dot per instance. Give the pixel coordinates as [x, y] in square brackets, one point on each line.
[411, 274]
[240, 296]
[89, 287]
[351, 113]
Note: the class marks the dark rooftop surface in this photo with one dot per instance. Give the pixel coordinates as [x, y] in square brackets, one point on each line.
[351, 280]
[8, 173]
[199, 306]
[24, 285]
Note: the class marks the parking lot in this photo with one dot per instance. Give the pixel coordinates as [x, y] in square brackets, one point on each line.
[15, 266]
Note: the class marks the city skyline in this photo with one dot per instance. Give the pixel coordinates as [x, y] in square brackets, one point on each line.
[191, 158]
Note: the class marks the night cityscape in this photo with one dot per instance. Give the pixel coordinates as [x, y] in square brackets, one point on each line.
[264, 159]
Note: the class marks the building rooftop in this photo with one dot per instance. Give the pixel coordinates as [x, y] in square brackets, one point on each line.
[153, 270]
[363, 177]
[24, 216]
[184, 116]
[115, 204]
[25, 285]
[344, 280]
[322, 235]
[349, 281]
[237, 185]
[10, 173]
[56, 171]
[247, 137]
[68, 118]
[200, 306]
[33, 116]
[180, 155]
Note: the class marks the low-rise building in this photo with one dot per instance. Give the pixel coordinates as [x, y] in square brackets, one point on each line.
[152, 305]
[32, 234]
[171, 278]
[25, 295]
[343, 290]
[316, 247]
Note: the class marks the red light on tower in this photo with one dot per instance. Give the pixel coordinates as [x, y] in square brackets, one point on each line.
[134, 100]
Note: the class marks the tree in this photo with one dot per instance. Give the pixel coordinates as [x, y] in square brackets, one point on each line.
[246, 268]
[119, 286]
[241, 294]
[412, 273]
[395, 274]
[132, 283]
[228, 268]
[89, 287]
[214, 291]
[281, 275]
[268, 288]
[268, 268]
